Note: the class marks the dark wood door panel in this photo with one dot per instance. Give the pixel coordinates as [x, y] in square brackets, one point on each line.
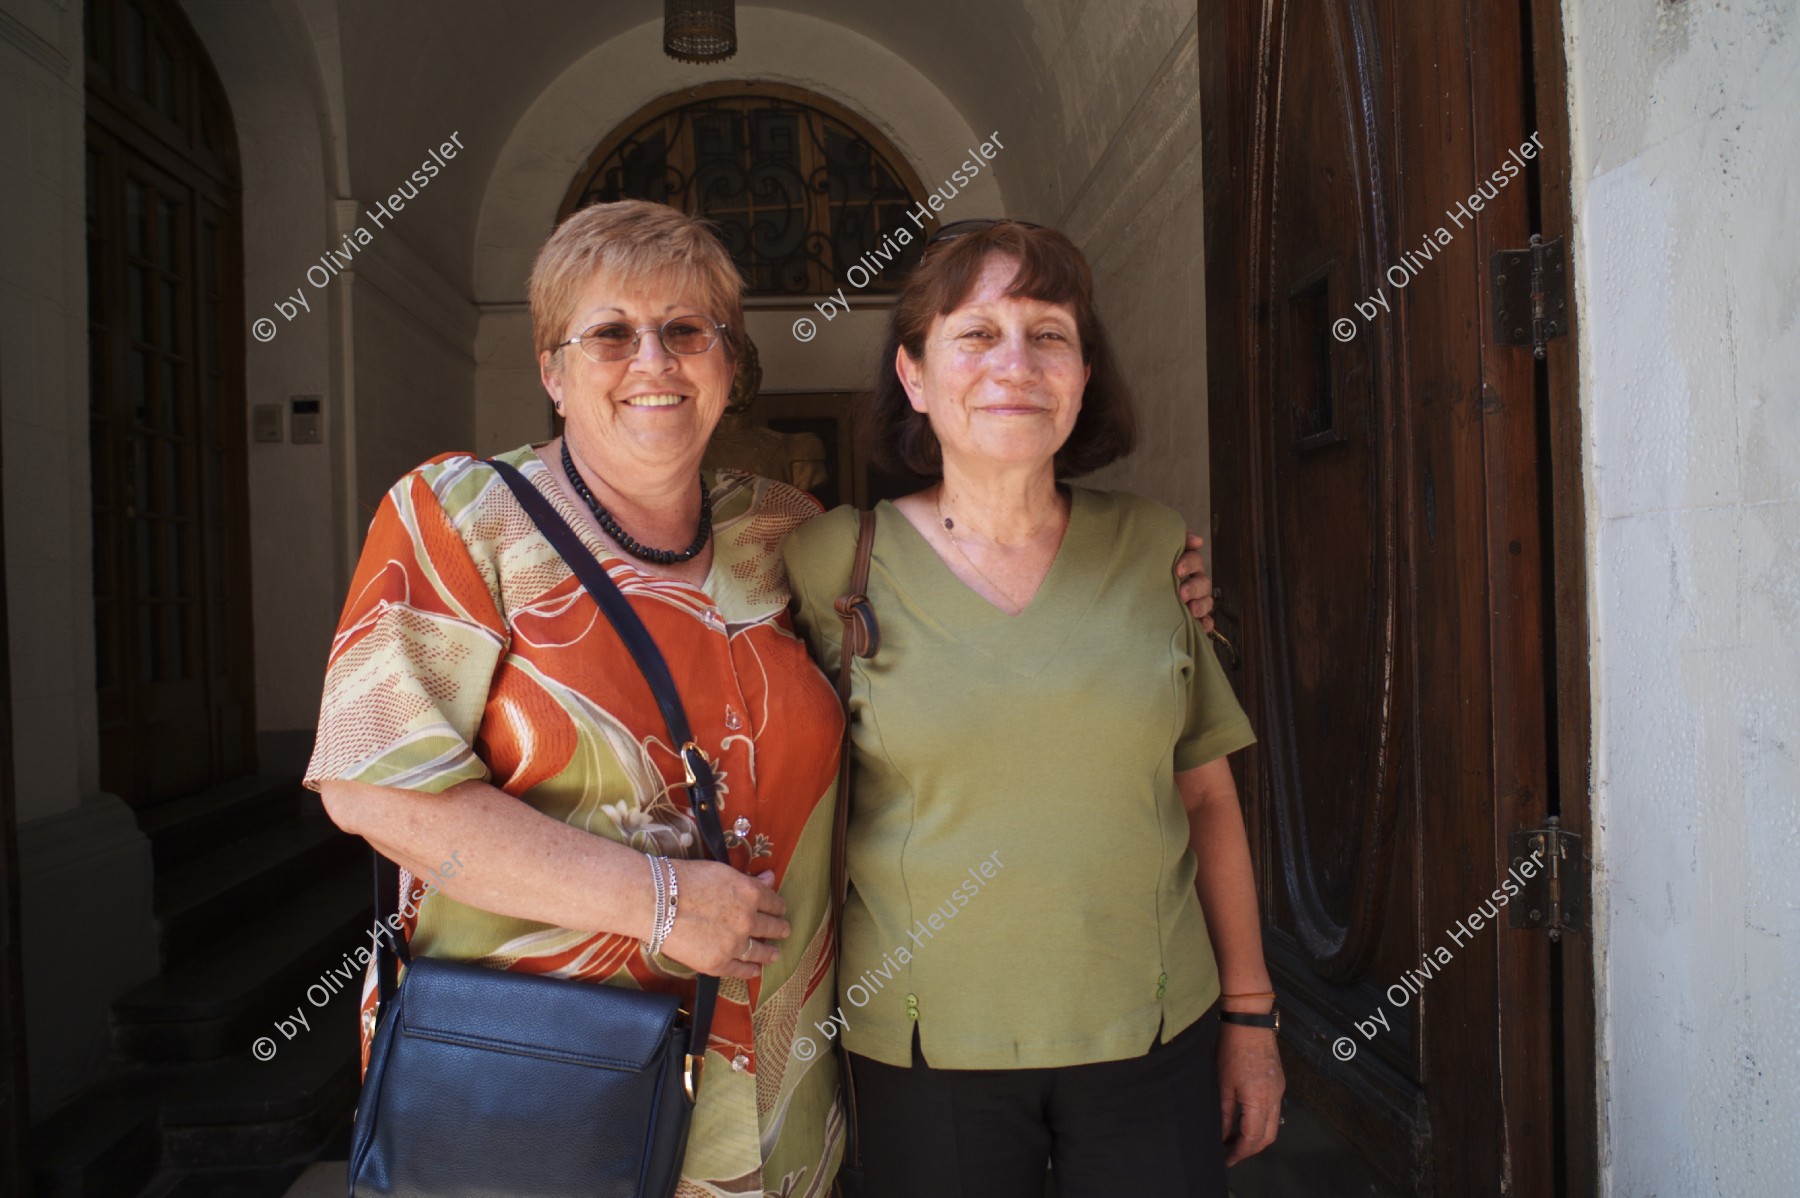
[1378, 508]
[1326, 589]
[166, 410]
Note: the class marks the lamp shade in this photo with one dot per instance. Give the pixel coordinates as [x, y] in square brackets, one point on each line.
[700, 30]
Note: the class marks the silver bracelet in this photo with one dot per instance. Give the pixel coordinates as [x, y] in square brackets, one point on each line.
[657, 918]
[674, 902]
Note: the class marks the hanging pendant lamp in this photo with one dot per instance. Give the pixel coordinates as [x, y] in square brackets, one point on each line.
[700, 30]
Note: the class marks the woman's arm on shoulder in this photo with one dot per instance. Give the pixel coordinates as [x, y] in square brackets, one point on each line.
[1193, 585]
[817, 556]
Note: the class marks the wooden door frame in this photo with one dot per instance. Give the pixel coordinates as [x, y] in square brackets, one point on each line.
[1227, 150]
[1573, 968]
[15, 1094]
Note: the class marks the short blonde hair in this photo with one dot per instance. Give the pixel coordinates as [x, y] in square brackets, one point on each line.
[637, 243]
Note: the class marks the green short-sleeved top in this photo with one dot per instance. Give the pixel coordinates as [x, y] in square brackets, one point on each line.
[1021, 884]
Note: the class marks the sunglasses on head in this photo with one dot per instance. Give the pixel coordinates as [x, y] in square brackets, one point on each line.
[958, 228]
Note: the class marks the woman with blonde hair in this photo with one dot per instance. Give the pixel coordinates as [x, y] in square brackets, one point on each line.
[477, 703]
[479, 707]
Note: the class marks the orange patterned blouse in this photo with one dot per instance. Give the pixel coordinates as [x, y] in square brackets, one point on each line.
[468, 650]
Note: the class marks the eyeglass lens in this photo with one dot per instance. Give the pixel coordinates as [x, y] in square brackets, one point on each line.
[679, 335]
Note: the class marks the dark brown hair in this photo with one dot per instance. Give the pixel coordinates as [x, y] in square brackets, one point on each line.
[1052, 270]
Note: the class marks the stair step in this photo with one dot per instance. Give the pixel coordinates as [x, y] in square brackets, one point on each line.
[231, 887]
[230, 1119]
[194, 825]
[215, 1004]
[102, 1144]
[271, 1182]
[239, 1111]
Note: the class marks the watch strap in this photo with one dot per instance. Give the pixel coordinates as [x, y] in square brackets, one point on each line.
[1272, 1020]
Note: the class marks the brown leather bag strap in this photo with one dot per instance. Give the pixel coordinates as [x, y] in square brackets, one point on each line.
[862, 636]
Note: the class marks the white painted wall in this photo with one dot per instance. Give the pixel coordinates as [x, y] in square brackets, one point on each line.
[272, 59]
[605, 86]
[387, 343]
[1687, 200]
[1125, 167]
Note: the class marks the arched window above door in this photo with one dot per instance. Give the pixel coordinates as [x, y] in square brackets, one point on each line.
[800, 188]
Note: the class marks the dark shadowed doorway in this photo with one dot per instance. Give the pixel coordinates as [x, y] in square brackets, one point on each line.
[165, 376]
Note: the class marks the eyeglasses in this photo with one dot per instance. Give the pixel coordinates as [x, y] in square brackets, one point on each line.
[616, 340]
[958, 228]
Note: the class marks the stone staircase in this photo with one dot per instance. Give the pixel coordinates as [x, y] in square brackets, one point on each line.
[257, 896]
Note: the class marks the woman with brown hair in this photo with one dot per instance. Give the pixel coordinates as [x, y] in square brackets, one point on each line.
[480, 709]
[1051, 907]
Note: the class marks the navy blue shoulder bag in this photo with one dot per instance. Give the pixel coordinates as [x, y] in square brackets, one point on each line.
[485, 1081]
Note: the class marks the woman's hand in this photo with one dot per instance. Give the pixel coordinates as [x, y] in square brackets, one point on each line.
[1194, 583]
[1250, 1088]
[724, 919]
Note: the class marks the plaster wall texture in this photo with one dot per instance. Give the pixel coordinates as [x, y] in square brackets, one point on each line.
[585, 103]
[272, 61]
[1687, 199]
[1137, 214]
[44, 381]
[414, 369]
[82, 860]
[387, 342]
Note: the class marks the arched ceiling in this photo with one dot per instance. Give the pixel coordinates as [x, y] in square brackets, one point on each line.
[414, 70]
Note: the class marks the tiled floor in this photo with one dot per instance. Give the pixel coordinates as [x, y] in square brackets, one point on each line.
[323, 1180]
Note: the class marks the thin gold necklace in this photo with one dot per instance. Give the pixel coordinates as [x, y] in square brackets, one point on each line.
[950, 532]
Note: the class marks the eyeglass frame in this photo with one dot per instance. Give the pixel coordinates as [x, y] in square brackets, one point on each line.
[974, 224]
[637, 337]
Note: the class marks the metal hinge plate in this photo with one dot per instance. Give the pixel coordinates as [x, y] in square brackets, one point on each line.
[1531, 294]
[1551, 874]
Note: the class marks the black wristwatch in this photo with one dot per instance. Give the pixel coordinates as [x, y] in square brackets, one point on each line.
[1272, 1020]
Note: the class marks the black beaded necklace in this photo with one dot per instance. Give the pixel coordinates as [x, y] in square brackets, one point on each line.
[662, 557]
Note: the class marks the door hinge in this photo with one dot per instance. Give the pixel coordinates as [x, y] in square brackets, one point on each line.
[1530, 294]
[1551, 874]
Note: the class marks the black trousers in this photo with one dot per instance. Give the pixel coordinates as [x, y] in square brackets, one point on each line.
[1147, 1126]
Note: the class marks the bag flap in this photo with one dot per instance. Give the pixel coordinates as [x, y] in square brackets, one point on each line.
[529, 1015]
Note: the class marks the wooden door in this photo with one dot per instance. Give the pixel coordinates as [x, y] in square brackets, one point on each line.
[1396, 531]
[166, 419]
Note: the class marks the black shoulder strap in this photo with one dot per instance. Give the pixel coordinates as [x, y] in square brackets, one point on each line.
[703, 797]
[702, 794]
